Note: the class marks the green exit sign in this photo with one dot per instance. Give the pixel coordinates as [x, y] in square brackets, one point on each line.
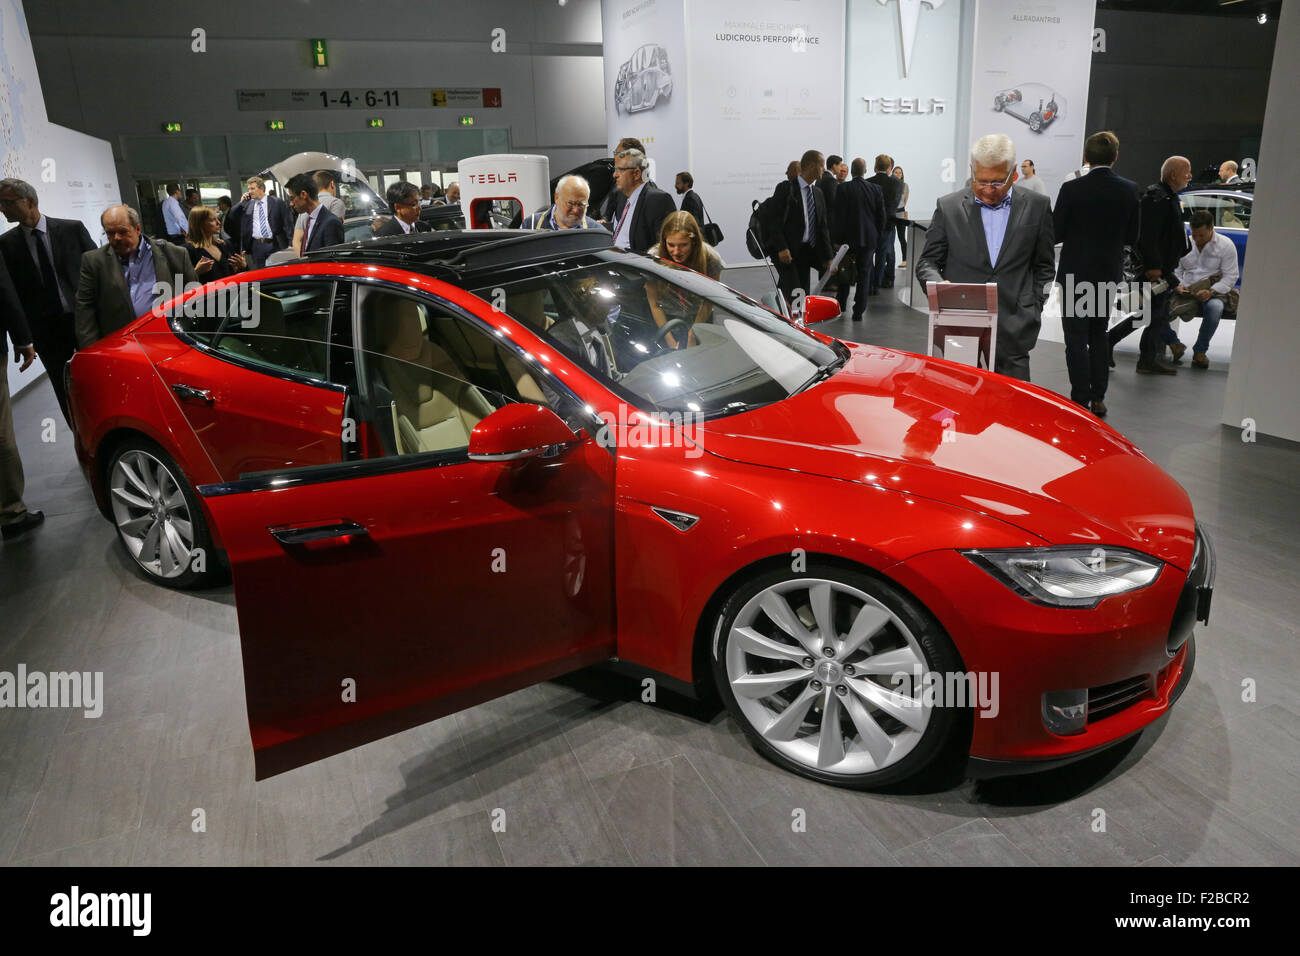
[275, 125]
[376, 123]
[467, 121]
[320, 57]
[171, 127]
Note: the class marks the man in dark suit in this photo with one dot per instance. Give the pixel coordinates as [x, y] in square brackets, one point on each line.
[646, 206]
[43, 256]
[860, 219]
[993, 233]
[404, 199]
[691, 201]
[1162, 242]
[612, 207]
[322, 227]
[15, 518]
[260, 224]
[117, 280]
[797, 227]
[883, 278]
[1095, 217]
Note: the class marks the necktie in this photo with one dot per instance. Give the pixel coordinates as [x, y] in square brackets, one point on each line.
[53, 302]
[306, 235]
[261, 220]
[810, 214]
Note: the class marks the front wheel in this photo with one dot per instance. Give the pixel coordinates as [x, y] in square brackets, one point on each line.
[158, 518]
[827, 672]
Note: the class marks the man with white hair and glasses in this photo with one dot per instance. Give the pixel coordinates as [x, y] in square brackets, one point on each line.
[993, 233]
[572, 194]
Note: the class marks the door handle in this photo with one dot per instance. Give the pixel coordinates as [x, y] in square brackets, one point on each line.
[319, 532]
[190, 393]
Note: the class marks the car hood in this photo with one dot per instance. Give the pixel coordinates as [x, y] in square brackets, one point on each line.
[969, 438]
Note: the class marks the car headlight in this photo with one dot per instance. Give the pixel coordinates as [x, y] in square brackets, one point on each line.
[1069, 576]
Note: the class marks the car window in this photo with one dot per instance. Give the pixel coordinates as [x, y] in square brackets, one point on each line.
[279, 325]
[428, 375]
[1231, 212]
[666, 338]
[358, 200]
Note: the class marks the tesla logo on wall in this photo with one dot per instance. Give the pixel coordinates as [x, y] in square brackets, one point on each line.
[909, 12]
[485, 178]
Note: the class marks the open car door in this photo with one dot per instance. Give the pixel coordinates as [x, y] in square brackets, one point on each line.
[379, 593]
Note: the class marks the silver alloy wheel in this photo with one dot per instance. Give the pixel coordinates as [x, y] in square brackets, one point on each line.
[812, 664]
[151, 514]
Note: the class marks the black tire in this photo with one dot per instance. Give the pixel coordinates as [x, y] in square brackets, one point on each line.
[213, 570]
[945, 740]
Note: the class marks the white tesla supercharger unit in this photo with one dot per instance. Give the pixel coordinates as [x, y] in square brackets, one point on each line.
[500, 188]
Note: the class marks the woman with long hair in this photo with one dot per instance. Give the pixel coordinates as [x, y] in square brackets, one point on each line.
[900, 215]
[681, 243]
[211, 255]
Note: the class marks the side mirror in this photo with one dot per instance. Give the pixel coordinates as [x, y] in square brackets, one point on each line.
[819, 308]
[519, 430]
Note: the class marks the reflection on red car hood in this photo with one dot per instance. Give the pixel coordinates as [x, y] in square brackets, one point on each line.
[973, 439]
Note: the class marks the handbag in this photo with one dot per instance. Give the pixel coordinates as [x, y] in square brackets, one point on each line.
[711, 230]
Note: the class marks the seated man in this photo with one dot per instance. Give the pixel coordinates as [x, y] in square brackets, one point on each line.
[1206, 277]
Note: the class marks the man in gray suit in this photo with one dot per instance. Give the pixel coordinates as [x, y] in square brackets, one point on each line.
[991, 232]
[117, 280]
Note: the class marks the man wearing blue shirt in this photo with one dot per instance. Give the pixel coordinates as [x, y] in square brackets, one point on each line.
[175, 224]
[991, 232]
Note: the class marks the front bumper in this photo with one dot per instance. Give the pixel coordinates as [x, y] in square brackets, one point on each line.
[1132, 653]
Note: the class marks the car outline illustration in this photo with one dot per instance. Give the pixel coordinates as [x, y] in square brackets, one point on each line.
[1013, 101]
[643, 79]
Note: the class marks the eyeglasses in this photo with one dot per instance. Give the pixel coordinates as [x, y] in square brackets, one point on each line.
[625, 169]
[995, 184]
[580, 204]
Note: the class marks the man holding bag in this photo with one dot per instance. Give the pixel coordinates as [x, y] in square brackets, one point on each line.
[1206, 277]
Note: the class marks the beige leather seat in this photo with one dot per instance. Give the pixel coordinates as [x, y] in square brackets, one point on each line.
[435, 407]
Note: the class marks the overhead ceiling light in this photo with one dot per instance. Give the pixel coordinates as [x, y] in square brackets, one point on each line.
[1262, 18]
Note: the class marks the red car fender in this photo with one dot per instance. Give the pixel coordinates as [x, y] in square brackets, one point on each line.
[668, 582]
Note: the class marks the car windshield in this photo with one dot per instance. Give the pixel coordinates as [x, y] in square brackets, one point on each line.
[668, 339]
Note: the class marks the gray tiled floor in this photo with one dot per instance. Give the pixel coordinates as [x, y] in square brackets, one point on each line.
[579, 771]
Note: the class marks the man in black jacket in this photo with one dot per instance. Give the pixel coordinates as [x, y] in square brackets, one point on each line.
[860, 219]
[1095, 217]
[645, 205]
[1162, 242]
[404, 199]
[691, 201]
[322, 227]
[883, 277]
[43, 256]
[15, 519]
[797, 227]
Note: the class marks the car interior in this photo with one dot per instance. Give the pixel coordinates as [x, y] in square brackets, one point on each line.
[431, 376]
[291, 330]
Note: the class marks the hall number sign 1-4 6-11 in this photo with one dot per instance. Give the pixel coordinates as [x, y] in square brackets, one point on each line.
[367, 98]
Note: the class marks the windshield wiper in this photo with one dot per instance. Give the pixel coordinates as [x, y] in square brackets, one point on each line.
[823, 373]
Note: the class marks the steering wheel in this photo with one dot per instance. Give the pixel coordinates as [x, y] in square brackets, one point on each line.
[667, 328]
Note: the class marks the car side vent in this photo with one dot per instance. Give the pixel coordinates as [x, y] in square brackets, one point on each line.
[678, 519]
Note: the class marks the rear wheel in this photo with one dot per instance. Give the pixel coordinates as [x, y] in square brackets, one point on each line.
[158, 518]
[825, 671]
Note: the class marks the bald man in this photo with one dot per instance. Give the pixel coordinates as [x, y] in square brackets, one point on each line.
[117, 279]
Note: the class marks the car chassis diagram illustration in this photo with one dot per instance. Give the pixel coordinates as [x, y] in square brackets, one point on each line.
[1017, 102]
[643, 80]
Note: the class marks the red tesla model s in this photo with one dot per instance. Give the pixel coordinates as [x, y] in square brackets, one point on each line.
[443, 467]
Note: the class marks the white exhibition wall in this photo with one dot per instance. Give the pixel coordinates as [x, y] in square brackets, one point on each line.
[909, 112]
[1263, 391]
[1028, 55]
[765, 83]
[73, 173]
[633, 31]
